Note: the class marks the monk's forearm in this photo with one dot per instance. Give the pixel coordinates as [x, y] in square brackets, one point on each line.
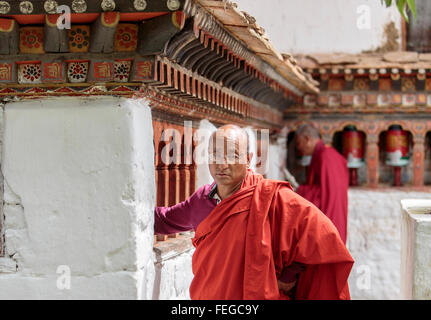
[185, 216]
[168, 222]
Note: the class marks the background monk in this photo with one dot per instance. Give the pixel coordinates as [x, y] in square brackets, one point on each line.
[252, 234]
[327, 177]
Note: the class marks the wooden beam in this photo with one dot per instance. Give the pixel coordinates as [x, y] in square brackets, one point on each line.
[95, 6]
[9, 36]
[155, 33]
[55, 39]
[103, 32]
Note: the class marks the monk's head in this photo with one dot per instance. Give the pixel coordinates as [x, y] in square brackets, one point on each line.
[229, 156]
[307, 137]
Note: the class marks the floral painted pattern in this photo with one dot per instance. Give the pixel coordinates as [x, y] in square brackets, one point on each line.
[77, 71]
[31, 40]
[29, 73]
[126, 37]
[79, 38]
[122, 71]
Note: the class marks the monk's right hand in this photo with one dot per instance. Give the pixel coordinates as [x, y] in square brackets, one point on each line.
[286, 287]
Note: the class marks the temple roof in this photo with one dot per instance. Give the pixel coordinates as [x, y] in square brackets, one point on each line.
[407, 60]
[245, 28]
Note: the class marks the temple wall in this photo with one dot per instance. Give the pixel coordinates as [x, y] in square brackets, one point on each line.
[338, 26]
[78, 217]
[374, 241]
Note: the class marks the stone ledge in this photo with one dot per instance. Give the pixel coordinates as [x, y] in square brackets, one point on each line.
[7, 265]
[173, 247]
[418, 209]
[387, 188]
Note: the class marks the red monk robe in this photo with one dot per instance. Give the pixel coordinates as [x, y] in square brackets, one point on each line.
[247, 240]
[328, 183]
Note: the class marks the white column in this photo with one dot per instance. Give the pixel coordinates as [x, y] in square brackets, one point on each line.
[202, 137]
[416, 249]
[79, 198]
[277, 156]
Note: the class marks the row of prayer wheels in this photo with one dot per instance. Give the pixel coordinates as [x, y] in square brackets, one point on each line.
[353, 149]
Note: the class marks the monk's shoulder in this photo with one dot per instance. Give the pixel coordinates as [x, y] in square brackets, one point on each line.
[202, 192]
[288, 196]
[291, 203]
[330, 153]
[284, 193]
[294, 210]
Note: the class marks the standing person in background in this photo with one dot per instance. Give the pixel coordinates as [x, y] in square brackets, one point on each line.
[327, 177]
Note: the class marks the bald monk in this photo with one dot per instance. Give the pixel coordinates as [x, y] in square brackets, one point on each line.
[327, 177]
[253, 234]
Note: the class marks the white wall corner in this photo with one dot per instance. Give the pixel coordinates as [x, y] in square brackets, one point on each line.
[416, 249]
[202, 136]
[7, 265]
[79, 192]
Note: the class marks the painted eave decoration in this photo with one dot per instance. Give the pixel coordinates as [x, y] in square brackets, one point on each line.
[202, 51]
[374, 82]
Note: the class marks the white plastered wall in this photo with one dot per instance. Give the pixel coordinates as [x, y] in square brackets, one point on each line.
[310, 26]
[374, 241]
[416, 249]
[77, 173]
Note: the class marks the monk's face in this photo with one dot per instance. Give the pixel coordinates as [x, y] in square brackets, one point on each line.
[228, 158]
[305, 145]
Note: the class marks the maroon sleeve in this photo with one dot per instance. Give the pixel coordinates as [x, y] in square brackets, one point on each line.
[184, 216]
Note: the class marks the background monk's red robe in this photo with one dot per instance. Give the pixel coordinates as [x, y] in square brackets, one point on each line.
[328, 184]
[249, 238]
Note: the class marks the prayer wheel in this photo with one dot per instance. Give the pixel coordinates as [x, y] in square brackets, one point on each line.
[397, 151]
[353, 150]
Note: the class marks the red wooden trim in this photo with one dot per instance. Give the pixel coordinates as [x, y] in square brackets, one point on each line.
[169, 75]
[28, 62]
[188, 89]
[77, 18]
[204, 91]
[199, 84]
[182, 85]
[176, 80]
[161, 237]
[194, 91]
